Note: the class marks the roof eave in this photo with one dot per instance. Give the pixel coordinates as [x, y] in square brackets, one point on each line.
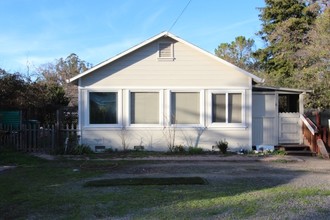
[283, 89]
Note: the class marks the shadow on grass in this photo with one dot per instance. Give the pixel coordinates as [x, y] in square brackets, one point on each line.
[147, 181]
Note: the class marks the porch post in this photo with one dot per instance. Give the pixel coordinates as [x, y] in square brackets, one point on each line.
[301, 111]
[301, 103]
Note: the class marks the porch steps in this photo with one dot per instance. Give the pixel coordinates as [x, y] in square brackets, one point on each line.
[296, 149]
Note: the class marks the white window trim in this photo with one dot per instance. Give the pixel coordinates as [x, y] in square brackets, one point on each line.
[171, 58]
[226, 124]
[201, 110]
[161, 107]
[119, 109]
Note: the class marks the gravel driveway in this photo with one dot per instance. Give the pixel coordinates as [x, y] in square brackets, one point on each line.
[291, 170]
[297, 171]
[266, 172]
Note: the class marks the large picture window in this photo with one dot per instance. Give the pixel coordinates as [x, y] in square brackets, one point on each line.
[103, 108]
[227, 108]
[144, 108]
[185, 108]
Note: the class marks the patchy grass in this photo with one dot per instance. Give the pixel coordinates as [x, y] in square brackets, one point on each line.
[147, 181]
[8, 157]
[39, 189]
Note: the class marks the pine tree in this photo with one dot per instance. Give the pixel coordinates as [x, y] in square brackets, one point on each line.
[285, 25]
[315, 59]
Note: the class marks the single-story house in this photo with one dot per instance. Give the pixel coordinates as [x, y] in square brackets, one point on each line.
[166, 91]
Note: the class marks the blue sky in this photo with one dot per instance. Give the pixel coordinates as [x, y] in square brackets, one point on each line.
[34, 32]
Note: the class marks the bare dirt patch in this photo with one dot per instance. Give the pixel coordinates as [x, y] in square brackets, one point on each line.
[257, 177]
[278, 170]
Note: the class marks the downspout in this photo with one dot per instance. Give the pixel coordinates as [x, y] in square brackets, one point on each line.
[249, 119]
[79, 126]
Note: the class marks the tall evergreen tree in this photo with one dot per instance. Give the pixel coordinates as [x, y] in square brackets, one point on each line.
[315, 59]
[285, 25]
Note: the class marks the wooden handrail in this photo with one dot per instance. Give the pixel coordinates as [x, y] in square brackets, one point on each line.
[309, 124]
[310, 132]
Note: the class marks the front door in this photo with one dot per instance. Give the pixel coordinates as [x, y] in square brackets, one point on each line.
[264, 119]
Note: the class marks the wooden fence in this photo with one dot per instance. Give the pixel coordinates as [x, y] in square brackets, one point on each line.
[39, 138]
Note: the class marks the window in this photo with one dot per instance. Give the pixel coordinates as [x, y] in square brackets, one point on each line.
[165, 50]
[185, 108]
[144, 108]
[227, 108]
[219, 108]
[288, 103]
[103, 108]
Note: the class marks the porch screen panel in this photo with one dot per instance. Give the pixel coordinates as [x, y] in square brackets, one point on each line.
[103, 108]
[185, 108]
[219, 108]
[144, 108]
[234, 108]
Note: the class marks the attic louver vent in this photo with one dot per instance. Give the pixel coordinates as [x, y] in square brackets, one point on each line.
[165, 50]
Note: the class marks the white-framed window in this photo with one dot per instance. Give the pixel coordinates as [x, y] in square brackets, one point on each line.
[186, 108]
[165, 51]
[145, 108]
[227, 108]
[104, 108]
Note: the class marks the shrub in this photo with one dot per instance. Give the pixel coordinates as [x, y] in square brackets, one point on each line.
[222, 145]
[108, 150]
[81, 149]
[178, 149]
[195, 150]
[139, 148]
[279, 152]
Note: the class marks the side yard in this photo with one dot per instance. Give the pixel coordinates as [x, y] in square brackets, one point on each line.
[237, 188]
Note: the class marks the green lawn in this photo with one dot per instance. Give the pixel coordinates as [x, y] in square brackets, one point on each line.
[39, 189]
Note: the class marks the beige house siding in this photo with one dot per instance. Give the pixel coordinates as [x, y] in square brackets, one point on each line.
[154, 139]
[190, 71]
[142, 68]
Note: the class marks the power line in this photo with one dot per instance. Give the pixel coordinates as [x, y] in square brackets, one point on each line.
[179, 15]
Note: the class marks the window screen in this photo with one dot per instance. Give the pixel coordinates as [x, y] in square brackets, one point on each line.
[227, 108]
[234, 108]
[144, 108]
[219, 108]
[185, 108]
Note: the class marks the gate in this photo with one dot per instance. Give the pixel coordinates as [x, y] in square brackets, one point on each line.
[289, 128]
